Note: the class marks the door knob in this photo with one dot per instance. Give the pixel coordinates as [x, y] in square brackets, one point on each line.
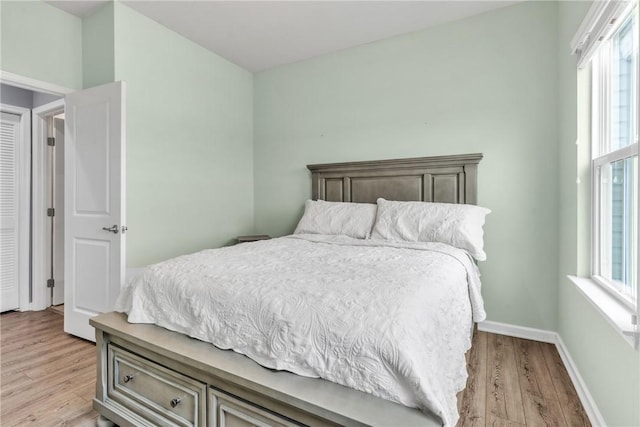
[114, 229]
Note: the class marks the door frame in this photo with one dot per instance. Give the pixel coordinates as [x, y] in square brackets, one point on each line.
[40, 253]
[36, 85]
[38, 280]
[24, 178]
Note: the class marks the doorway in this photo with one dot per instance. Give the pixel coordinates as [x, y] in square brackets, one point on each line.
[47, 204]
[54, 194]
[18, 106]
[86, 129]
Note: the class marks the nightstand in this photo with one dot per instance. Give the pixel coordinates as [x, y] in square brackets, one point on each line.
[253, 238]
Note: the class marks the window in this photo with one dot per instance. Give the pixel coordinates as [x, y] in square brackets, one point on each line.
[614, 167]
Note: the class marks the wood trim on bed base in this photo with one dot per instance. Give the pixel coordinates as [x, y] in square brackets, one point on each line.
[301, 400]
[447, 179]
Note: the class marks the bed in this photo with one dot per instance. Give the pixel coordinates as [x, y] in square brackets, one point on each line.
[155, 371]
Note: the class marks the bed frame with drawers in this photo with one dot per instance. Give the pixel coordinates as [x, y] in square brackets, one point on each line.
[150, 376]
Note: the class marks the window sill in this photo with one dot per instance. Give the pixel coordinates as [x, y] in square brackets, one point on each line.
[616, 313]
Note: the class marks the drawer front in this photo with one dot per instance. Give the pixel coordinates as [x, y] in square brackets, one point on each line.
[153, 391]
[227, 411]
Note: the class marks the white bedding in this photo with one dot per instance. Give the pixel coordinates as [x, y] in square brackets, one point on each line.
[387, 318]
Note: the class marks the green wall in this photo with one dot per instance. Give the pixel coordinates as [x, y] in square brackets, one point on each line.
[189, 119]
[41, 42]
[484, 84]
[608, 365]
[98, 50]
[189, 142]
[504, 84]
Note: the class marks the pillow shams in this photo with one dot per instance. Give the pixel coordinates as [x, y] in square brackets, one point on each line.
[349, 219]
[454, 224]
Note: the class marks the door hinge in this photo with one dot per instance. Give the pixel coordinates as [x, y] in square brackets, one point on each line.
[51, 212]
[51, 141]
[634, 319]
[51, 283]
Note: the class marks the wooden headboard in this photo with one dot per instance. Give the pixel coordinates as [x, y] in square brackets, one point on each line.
[446, 179]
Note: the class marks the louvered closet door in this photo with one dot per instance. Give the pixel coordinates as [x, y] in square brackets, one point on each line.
[9, 197]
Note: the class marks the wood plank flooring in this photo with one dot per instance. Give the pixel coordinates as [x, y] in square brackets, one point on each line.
[517, 382]
[47, 378]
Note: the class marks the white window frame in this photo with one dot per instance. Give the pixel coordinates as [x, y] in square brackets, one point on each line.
[602, 20]
[596, 224]
[600, 105]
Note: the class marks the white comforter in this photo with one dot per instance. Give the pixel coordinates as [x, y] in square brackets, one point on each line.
[391, 319]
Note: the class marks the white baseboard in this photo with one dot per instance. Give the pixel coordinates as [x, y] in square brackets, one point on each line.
[588, 403]
[518, 331]
[551, 337]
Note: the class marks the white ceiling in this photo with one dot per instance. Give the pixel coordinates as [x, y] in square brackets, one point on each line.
[258, 35]
[78, 8]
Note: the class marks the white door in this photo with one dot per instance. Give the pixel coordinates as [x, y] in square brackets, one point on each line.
[94, 204]
[10, 144]
[57, 186]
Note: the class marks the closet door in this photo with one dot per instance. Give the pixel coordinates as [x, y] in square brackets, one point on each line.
[10, 142]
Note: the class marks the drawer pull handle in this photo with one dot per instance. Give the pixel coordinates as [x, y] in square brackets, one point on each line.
[127, 378]
[175, 402]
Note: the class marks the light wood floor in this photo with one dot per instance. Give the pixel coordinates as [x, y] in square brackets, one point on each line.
[48, 379]
[517, 382]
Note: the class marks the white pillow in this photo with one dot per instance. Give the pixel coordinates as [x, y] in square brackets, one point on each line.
[349, 219]
[454, 224]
